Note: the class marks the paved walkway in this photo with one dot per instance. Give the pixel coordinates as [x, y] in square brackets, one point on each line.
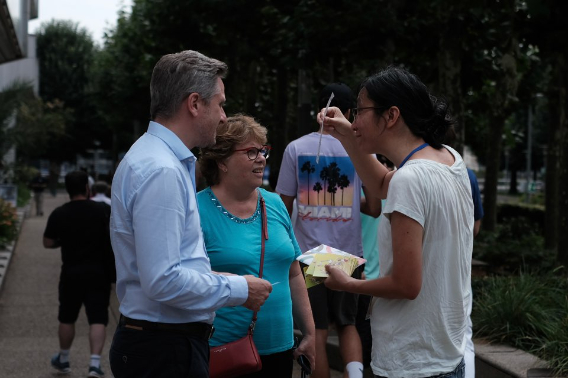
[29, 304]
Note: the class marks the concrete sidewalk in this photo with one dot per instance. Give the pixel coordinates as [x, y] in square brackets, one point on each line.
[29, 306]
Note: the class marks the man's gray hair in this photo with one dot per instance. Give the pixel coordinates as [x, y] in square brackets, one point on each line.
[176, 76]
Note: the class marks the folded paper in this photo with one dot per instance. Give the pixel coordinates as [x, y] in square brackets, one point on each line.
[317, 258]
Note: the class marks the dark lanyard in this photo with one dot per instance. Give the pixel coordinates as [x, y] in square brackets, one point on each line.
[412, 153]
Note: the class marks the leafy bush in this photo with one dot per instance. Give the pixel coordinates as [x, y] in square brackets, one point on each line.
[514, 245]
[8, 223]
[527, 311]
[24, 194]
[532, 215]
[23, 174]
[554, 345]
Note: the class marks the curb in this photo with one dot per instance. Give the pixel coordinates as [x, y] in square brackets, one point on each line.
[491, 360]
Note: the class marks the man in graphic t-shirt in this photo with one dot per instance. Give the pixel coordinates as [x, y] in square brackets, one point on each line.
[328, 203]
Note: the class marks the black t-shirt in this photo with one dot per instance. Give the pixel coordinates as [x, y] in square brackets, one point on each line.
[81, 227]
[38, 184]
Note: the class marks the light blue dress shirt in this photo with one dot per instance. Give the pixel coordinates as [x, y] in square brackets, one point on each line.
[163, 271]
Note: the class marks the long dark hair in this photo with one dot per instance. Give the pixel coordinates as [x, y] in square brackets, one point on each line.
[425, 115]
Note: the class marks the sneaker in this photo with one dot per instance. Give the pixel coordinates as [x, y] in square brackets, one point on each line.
[62, 367]
[95, 372]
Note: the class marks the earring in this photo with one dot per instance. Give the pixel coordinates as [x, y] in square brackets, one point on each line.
[225, 170]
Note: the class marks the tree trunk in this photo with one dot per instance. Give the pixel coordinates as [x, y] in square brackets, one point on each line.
[305, 106]
[552, 172]
[513, 182]
[492, 172]
[449, 77]
[501, 108]
[563, 166]
[251, 88]
[279, 136]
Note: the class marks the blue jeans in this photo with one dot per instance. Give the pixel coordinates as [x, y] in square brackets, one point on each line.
[458, 372]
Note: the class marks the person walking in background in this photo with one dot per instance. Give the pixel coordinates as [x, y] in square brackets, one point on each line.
[477, 203]
[91, 178]
[369, 231]
[477, 216]
[167, 292]
[81, 228]
[426, 233]
[328, 202]
[100, 189]
[231, 210]
[53, 177]
[38, 185]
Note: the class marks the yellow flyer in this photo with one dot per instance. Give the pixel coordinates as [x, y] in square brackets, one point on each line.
[345, 263]
[317, 258]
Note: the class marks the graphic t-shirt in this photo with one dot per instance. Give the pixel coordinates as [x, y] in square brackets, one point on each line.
[328, 193]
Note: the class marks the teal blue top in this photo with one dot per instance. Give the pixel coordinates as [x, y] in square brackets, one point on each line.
[369, 234]
[234, 245]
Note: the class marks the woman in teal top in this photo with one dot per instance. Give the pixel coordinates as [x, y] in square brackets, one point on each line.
[231, 223]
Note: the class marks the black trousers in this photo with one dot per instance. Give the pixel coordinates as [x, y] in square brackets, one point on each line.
[277, 365]
[155, 354]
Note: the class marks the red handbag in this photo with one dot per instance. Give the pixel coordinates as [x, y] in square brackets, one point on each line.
[240, 357]
[235, 358]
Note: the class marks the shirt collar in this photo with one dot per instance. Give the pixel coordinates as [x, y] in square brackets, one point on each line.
[171, 139]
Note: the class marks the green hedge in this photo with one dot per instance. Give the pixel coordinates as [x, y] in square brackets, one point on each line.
[533, 215]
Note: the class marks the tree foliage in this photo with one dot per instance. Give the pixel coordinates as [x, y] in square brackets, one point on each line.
[66, 53]
[488, 58]
[28, 123]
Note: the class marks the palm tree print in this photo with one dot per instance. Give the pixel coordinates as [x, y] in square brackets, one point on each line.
[309, 168]
[321, 183]
[324, 175]
[318, 188]
[343, 183]
[333, 180]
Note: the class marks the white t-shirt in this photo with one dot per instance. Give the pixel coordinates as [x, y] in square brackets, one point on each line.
[425, 336]
[100, 197]
[328, 193]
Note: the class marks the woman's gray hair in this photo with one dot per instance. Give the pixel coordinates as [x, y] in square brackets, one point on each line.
[176, 76]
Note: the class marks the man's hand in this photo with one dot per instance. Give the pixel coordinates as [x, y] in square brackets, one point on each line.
[258, 291]
[337, 279]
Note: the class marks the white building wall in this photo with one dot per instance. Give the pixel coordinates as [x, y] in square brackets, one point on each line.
[25, 69]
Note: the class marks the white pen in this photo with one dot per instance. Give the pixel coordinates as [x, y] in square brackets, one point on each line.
[321, 128]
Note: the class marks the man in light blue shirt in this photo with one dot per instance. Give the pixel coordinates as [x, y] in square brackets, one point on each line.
[165, 286]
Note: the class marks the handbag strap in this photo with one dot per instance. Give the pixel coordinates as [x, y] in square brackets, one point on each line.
[263, 237]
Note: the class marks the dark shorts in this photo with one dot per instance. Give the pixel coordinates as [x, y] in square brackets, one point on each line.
[364, 328]
[329, 306]
[154, 354]
[75, 293]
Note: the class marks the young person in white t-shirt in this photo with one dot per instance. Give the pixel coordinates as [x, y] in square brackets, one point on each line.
[426, 235]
